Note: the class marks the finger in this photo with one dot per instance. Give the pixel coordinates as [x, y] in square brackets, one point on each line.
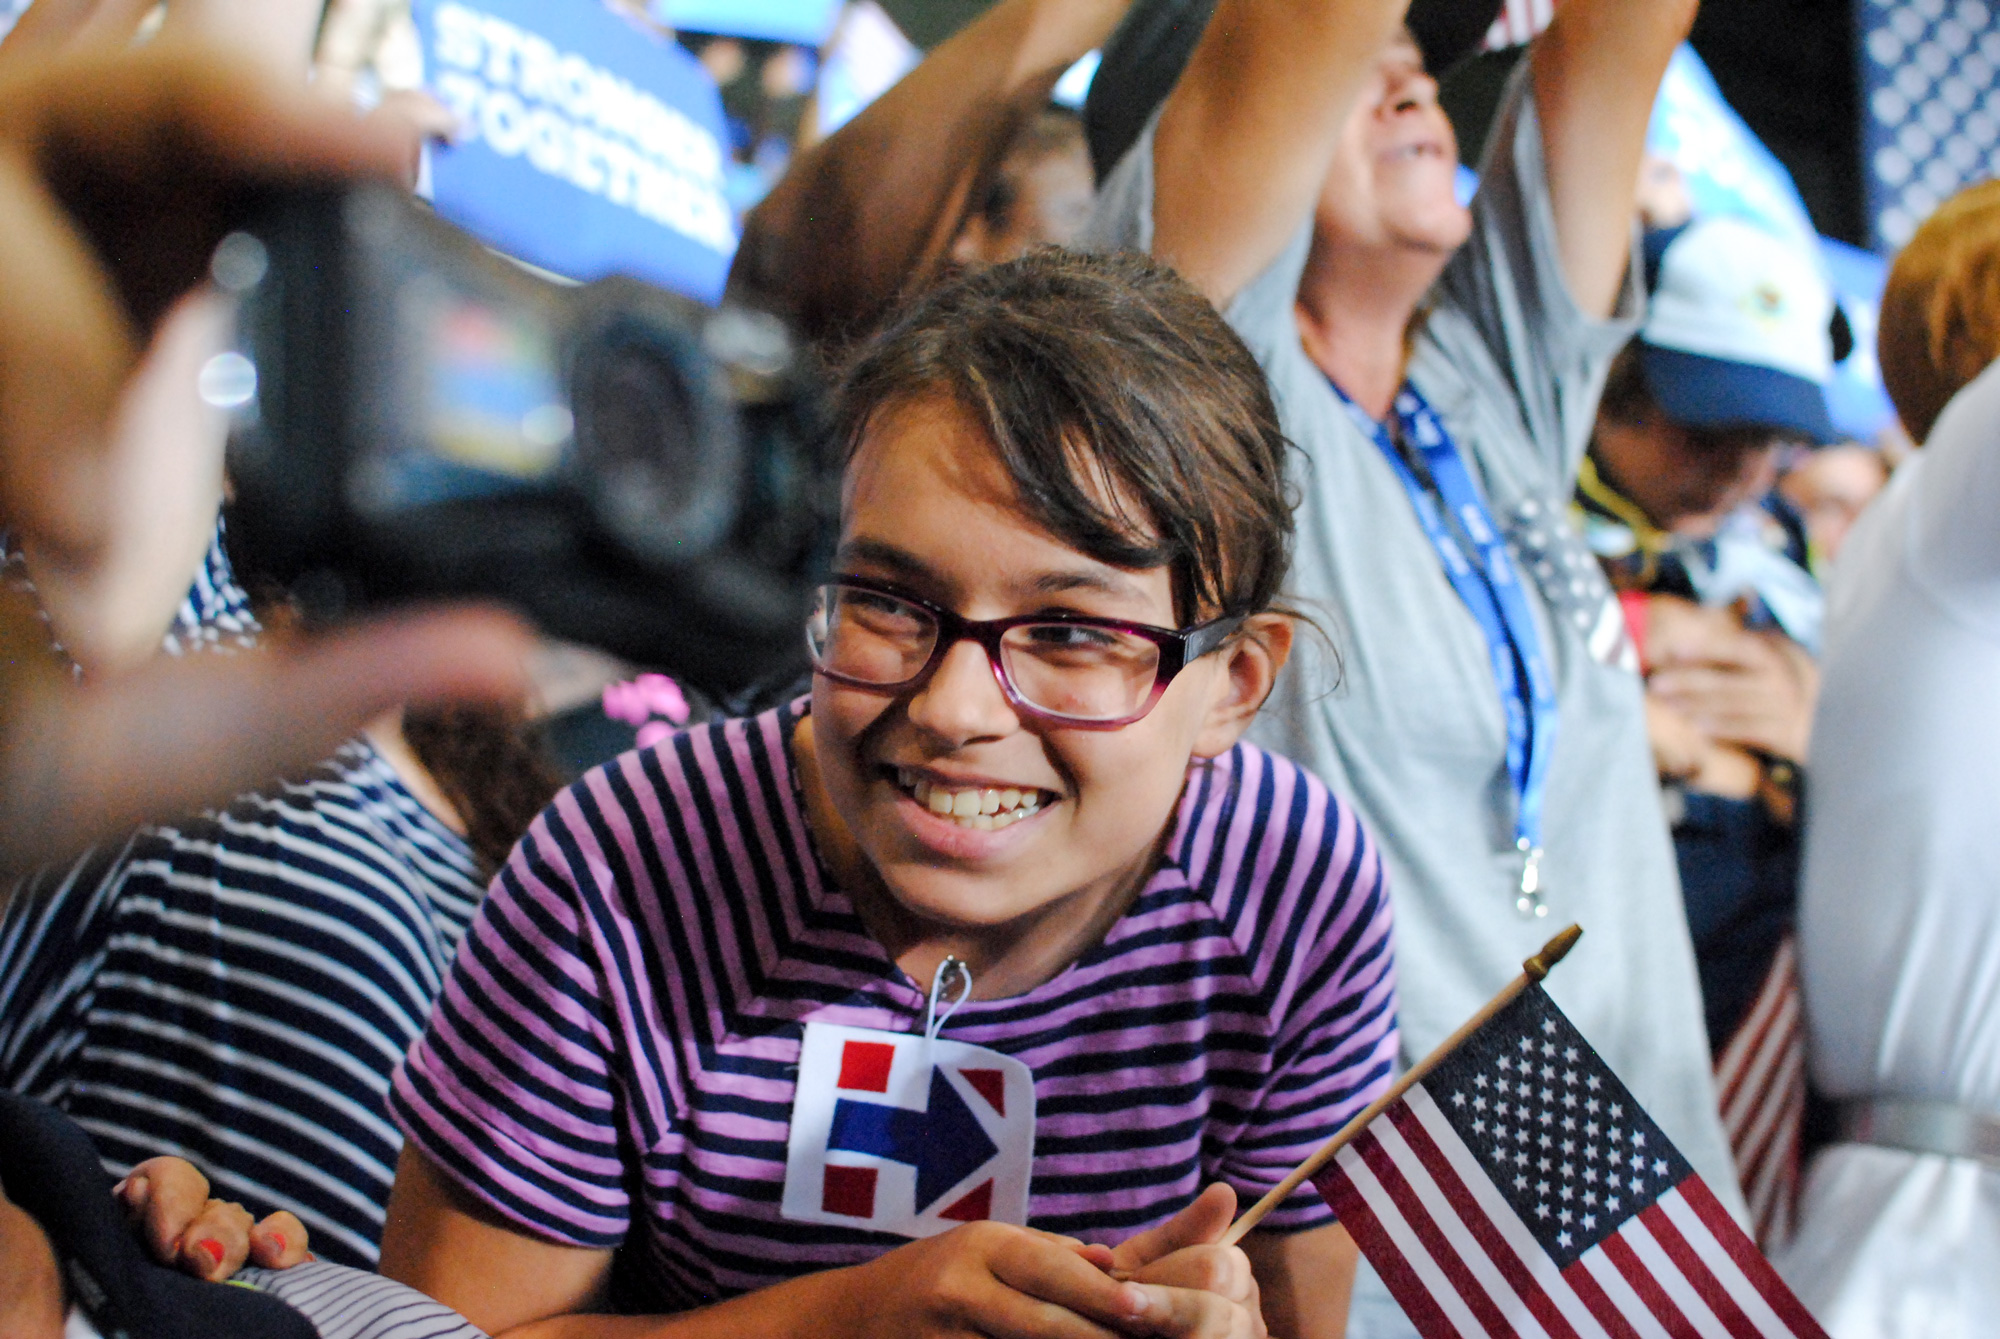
[175, 735]
[1203, 1221]
[154, 151]
[60, 326]
[165, 1196]
[1187, 1313]
[215, 1245]
[1067, 1283]
[1222, 1270]
[279, 1242]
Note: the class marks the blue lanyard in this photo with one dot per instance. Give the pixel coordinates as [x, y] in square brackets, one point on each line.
[1474, 556]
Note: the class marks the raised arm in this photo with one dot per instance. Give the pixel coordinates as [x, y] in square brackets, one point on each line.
[1247, 134]
[871, 212]
[1596, 72]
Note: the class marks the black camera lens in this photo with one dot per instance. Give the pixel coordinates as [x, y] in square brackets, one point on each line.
[656, 433]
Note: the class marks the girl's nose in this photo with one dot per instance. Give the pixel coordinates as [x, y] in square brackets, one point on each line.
[962, 700]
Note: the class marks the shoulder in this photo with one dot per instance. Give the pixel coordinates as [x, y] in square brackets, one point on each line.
[1264, 840]
[676, 817]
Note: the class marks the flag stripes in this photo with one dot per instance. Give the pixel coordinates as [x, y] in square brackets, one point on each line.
[1760, 1079]
[1462, 1263]
[1519, 21]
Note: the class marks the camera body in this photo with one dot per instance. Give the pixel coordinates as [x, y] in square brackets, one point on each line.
[417, 417]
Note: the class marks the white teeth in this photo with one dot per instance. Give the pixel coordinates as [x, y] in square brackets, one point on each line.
[980, 809]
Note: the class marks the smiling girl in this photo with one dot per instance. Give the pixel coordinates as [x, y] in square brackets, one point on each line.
[699, 1056]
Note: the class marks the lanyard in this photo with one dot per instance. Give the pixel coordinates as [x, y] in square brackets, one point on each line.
[1474, 556]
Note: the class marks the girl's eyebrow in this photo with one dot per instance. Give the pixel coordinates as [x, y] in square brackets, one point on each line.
[881, 553]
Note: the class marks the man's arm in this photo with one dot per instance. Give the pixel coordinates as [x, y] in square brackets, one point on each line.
[871, 212]
[1596, 72]
[1246, 136]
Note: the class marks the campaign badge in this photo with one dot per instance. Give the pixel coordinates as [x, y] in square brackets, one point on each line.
[899, 1132]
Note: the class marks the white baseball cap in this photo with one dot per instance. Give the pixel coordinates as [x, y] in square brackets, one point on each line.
[1738, 331]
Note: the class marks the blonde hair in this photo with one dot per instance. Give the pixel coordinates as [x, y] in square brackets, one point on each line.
[1940, 324]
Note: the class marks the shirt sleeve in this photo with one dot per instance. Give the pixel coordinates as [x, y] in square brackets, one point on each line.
[1954, 543]
[1325, 953]
[511, 1091]
[1505, 289]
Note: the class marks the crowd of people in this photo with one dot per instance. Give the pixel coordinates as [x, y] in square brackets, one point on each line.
[1270, 595]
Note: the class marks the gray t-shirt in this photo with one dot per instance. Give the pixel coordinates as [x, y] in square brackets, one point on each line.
[1415, 732]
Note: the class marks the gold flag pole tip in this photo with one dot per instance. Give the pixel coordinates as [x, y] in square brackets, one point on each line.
[1552, 952]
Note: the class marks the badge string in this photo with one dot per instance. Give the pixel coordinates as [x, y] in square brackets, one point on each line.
[952, 968]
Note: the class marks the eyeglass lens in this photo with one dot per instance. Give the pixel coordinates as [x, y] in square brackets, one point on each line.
[1083, 672]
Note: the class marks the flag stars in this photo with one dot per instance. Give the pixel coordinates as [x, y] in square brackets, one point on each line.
[1659, 1167]
[1590, 1105]
[1478, 1126]
[1592, 1082]
[1541, 1211]
[1569, 1100]
[1506, 1063]
[1548, 1025]
[1569, 1055]
[1563, 1239]
[1458, 1100]
[1565, 1216]
[1479, 1104]
[1569, 1075]
[1566, 1193]
[1479, 1080]
[1611, 1203]
[1637, 1185]
[1617, 1111]
[1589, 1197]
[1638, 1139]
[1520, 1183]
[1590, 1129]
[1638, 1162]
[1544, 1164]
[1590, 1222]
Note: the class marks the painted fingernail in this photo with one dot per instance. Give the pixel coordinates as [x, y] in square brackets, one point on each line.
[278, 1240]
[212, 1246]
[1136, 1302]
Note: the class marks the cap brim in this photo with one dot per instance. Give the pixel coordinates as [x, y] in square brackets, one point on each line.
[1717, 393]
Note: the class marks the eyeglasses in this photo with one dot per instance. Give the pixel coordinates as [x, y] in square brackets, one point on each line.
[1090, 673]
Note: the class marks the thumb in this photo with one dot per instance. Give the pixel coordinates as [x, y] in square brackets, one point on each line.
[1202, 1223]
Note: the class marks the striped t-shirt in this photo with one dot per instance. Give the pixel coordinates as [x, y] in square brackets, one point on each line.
[613, 1060]
[236, 988]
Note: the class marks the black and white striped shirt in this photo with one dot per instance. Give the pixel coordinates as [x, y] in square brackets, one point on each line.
[236, 989]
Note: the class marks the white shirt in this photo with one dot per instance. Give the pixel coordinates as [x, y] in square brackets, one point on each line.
[1900, 899]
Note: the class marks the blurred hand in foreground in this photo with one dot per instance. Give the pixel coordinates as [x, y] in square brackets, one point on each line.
[119, 173]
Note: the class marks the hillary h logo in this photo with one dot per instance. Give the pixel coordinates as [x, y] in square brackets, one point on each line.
[896, 1132]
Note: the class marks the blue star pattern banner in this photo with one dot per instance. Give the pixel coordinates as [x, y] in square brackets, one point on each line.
[1519, 1190]
[1930, 124]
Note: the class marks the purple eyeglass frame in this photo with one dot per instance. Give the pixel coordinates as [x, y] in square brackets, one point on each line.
[1179, 648]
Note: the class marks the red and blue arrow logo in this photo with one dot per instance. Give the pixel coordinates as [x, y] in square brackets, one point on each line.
[945, 1142]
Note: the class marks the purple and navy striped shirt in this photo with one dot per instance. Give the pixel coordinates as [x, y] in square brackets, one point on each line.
[613, 1059]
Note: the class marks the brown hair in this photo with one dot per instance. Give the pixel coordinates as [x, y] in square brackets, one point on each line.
[1088, 369]
[1940, 324]
[493, 767]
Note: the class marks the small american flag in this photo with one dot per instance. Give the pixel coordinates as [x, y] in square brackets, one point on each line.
[1760, 1077]
[1518, 1190]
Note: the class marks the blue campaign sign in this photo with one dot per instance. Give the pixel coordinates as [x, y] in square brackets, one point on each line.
[806, 22]
[1855, 397]
[588, 147]
[1725, 166]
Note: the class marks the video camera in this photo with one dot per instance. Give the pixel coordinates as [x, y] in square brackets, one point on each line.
[416, 417]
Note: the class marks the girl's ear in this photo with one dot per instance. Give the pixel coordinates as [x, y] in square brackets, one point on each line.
[1251, 662]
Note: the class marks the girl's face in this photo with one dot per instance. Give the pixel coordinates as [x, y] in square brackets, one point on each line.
[929, 508]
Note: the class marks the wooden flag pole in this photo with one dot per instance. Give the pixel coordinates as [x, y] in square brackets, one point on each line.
[1533, 970]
